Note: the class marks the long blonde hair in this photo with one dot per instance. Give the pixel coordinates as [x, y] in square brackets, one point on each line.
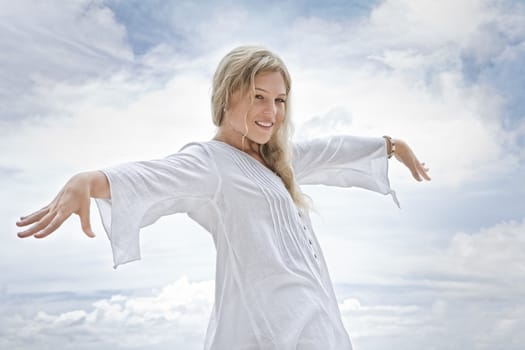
[236, 72]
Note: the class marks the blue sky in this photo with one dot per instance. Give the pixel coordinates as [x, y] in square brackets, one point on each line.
[88, 84]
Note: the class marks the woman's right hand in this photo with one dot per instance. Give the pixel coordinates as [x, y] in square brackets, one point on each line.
[74, 197]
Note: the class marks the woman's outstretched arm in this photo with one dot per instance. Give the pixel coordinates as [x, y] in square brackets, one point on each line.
[74, 197]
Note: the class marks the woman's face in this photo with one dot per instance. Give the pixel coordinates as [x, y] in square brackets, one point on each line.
[260, 120]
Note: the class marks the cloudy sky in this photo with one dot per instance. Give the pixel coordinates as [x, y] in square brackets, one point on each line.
[88, 84]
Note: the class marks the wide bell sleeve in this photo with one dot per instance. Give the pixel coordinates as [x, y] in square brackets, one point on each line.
[343, 161]
[143, 191]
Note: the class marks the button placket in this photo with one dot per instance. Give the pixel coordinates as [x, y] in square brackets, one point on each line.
[309, 239]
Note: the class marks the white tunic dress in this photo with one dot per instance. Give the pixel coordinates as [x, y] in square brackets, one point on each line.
[272, 287]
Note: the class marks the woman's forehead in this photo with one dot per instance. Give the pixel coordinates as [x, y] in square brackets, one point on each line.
[270, 82]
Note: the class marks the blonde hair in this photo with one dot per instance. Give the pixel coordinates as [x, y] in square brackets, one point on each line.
[236, 72]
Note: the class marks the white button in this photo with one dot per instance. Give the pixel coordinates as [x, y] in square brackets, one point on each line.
[300, 214]
[310, 241]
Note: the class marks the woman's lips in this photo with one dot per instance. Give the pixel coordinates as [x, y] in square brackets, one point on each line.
[264, 125]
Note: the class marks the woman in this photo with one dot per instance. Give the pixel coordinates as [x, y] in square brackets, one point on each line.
[273, 289]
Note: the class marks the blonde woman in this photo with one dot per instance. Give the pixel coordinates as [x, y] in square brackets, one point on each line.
[272, 286]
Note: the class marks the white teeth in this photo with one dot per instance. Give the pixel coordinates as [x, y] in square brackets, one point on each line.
[264, 124]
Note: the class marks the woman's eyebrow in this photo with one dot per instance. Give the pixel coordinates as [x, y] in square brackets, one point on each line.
[281, 94]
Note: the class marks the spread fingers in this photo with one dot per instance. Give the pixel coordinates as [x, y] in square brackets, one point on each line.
[40, 224]
[33, 217]
[53, 225]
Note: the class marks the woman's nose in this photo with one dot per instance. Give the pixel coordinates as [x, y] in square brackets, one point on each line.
[269, 109]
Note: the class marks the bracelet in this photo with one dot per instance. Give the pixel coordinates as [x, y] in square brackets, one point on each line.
[392, 146]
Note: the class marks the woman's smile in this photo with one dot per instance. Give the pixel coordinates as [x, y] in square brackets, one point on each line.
[264, 125]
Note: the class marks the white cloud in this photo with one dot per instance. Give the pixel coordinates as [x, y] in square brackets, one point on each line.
[471, 290]
[429, 23]
[110, 121]
[412, 85]
[80, 40]
[380, 320]
[176, 315]
[494, 254]
[438, 325]
[446, 123]
[483, 264]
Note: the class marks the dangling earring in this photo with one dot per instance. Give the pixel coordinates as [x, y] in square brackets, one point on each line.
[245, 131]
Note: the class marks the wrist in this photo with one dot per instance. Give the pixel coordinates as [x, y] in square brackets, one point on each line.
[96, 183]
[390, 146]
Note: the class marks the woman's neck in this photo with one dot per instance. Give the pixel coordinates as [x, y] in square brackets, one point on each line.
[240, 142]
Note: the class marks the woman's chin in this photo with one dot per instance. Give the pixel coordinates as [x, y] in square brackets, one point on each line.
[261, 140]
[265, 141]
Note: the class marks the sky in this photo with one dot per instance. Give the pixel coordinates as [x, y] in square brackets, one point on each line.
[89, 84]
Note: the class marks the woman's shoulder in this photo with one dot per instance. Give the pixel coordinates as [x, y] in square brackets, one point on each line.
[194, 146]
[205, 151]
[198, 150]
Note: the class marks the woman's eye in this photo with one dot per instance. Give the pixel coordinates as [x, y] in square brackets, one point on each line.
[279, 100]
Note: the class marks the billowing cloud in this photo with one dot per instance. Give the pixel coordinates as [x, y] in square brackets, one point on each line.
[492, 257]
[176, 315]
[435, 85]
[79, 41]
[437, 325]
[470, 290]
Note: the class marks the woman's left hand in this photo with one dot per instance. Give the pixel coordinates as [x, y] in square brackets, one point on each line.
[404, 154]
